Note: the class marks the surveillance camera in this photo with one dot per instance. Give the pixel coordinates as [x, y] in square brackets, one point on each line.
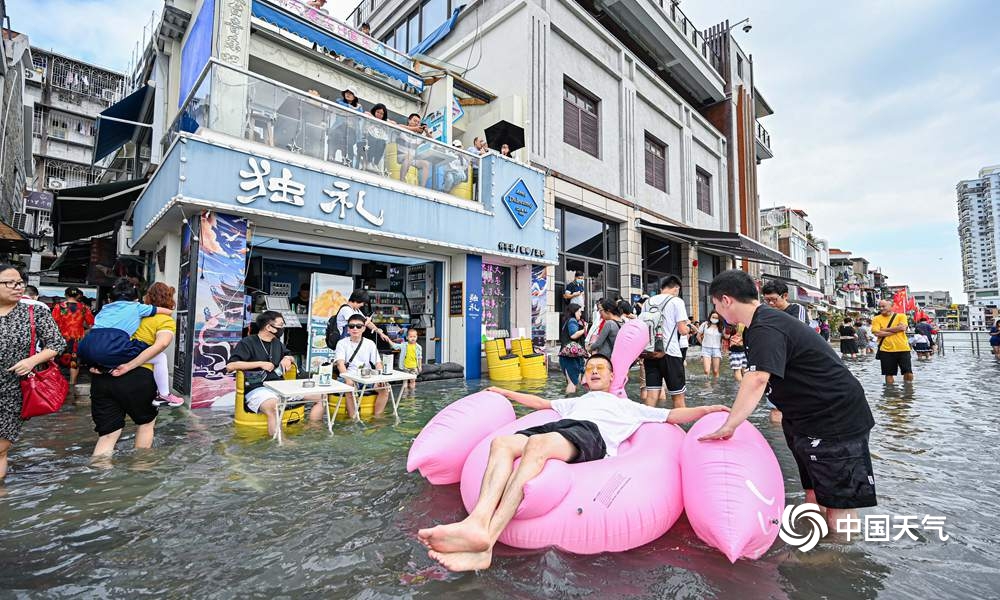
[747, 27]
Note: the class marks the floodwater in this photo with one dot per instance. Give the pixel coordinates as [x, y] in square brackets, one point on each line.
[210, 514]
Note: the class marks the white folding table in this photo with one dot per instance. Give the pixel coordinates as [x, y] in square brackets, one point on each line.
[291, 391]
[367, 384]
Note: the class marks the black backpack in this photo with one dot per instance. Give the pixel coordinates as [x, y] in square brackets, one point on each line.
[333, 334]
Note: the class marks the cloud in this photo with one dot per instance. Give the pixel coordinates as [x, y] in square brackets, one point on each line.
[101, 32]
[879, 112]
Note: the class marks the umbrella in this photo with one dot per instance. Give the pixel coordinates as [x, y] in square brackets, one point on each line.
[503, 132]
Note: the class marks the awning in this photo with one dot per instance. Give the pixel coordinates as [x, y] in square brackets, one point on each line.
[809, 293]
[292, 24]
[77, 254]
[437, 35]
[735, 244]
[117, 124]
[12, 242]
[84, 212]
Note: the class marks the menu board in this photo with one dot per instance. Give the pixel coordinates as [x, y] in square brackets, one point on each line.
[327, 293]
[496, 297]
[456, 296]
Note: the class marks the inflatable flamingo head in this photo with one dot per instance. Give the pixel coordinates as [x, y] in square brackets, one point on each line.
[631, 341]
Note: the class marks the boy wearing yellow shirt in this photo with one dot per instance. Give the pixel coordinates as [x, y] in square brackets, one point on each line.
[411, 356]
[894, 348]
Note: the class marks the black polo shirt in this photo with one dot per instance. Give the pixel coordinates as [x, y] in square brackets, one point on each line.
[817, 395]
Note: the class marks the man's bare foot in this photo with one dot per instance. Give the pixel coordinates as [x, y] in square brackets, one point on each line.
[463, 561]
[455, 537]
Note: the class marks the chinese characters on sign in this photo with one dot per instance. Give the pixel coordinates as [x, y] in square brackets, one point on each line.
[885, 528]
[286, 190]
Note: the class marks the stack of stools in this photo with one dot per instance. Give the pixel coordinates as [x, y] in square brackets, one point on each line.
[502, 365]
[532, 363]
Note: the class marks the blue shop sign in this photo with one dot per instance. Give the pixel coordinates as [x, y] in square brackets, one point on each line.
[520, 203]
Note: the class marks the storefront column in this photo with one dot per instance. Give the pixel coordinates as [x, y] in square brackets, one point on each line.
[473, 316]
[170, 248]
[689, 270]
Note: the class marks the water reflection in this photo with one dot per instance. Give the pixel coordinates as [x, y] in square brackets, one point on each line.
[211, 512]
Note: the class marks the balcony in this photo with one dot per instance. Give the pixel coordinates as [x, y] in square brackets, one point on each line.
[243, 105]
[678, 48]
[762, 142]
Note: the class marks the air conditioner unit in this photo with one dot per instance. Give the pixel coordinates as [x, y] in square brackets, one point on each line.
[125, 240]
[20, 221]
[35, 74]
[56, 184]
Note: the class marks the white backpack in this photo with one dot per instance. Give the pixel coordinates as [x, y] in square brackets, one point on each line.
[659, 340]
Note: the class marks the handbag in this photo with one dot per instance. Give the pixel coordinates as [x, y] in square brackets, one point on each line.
[572, 349]
[42, 391]
[878, 352]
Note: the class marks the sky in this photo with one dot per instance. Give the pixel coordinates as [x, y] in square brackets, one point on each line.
[880, 109]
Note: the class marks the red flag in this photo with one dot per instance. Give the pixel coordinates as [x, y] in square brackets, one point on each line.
[899, 302]
[911, 304]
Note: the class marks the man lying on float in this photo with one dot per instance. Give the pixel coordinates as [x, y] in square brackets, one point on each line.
[592, 427]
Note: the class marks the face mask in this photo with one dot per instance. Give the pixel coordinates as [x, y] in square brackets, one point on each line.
[580, 281]
[278, 331]
[715, 321]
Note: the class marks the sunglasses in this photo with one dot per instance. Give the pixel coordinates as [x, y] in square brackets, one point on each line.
[599, 367]
[356, 326]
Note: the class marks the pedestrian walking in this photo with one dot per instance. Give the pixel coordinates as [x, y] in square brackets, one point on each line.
[605, 341]
[668, 311]
[710, 336]
[848, 339]
[893, 348]
[571, 352]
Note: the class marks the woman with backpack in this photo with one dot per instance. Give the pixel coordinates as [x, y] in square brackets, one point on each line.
[571, 353]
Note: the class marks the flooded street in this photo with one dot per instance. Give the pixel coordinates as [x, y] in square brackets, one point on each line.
[210, 514]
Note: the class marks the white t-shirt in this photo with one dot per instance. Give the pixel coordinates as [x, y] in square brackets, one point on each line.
[711, 336]
[33, 302]
[616, 418]
[673, 313]
[343, 314]
[366, 357]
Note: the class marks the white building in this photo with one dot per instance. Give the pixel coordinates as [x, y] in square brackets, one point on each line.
[15, 163]
[618, 102]
[936, 298]
[979, 234]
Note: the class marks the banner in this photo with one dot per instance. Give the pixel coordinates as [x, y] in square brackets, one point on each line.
[327, 293]
[539, 300]
[218, 308]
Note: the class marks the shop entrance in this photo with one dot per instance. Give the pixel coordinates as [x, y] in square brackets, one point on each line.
[311, 281]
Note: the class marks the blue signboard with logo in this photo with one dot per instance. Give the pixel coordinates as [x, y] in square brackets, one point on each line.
[520, 203]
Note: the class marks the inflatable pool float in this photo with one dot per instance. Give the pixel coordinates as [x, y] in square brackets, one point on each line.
[619, 502]
[734, 493]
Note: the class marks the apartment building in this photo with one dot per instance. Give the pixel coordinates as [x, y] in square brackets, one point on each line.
[979, 235]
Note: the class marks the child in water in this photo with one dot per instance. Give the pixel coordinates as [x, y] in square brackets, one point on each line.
[109, 343]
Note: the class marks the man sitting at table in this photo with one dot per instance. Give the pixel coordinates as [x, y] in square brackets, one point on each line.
[262, 357]
[355, 352]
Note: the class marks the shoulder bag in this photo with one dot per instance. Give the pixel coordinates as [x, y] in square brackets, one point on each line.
[878, 352]
[42, 391]
[572, 348]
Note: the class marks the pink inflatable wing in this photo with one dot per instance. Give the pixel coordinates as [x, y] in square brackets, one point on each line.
[607, 505]
[440, 450]
[631, 341]
[734, 493]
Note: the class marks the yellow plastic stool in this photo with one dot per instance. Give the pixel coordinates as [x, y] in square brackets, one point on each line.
[242, 418]
[367, 407]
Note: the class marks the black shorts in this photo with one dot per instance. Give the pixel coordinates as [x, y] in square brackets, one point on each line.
[111, 398]
[584, 435]
[839, 471]
[668, 370]
[896, 361]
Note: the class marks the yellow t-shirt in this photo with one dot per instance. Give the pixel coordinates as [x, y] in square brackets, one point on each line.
[149, 327]
[410, 362]
[896, 342]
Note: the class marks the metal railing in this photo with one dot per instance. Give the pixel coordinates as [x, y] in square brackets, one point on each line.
[241, 104]
[956, 340]
[364, 10]
[690, 33]
[763, 136]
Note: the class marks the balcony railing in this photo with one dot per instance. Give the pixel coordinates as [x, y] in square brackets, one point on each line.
[691, 34]
[364, 10]
[763, 136]
[247, 106]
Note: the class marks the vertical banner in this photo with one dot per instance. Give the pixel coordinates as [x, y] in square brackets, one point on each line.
[218, 306]
[473, 316]
[327, 293]
[185, 292]
[539, 302]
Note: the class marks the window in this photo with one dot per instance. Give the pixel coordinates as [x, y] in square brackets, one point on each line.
[581, 126]
[413, 31]
[739, 66]
[703, 189]
[656, 163]
[432, 15]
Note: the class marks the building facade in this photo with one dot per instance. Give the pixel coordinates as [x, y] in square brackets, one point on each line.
[613, 102]
[979, 235]
[266, 185]
[15, 161]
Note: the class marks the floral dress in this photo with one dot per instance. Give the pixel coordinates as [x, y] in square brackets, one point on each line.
[73, 319]
[15, 330]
